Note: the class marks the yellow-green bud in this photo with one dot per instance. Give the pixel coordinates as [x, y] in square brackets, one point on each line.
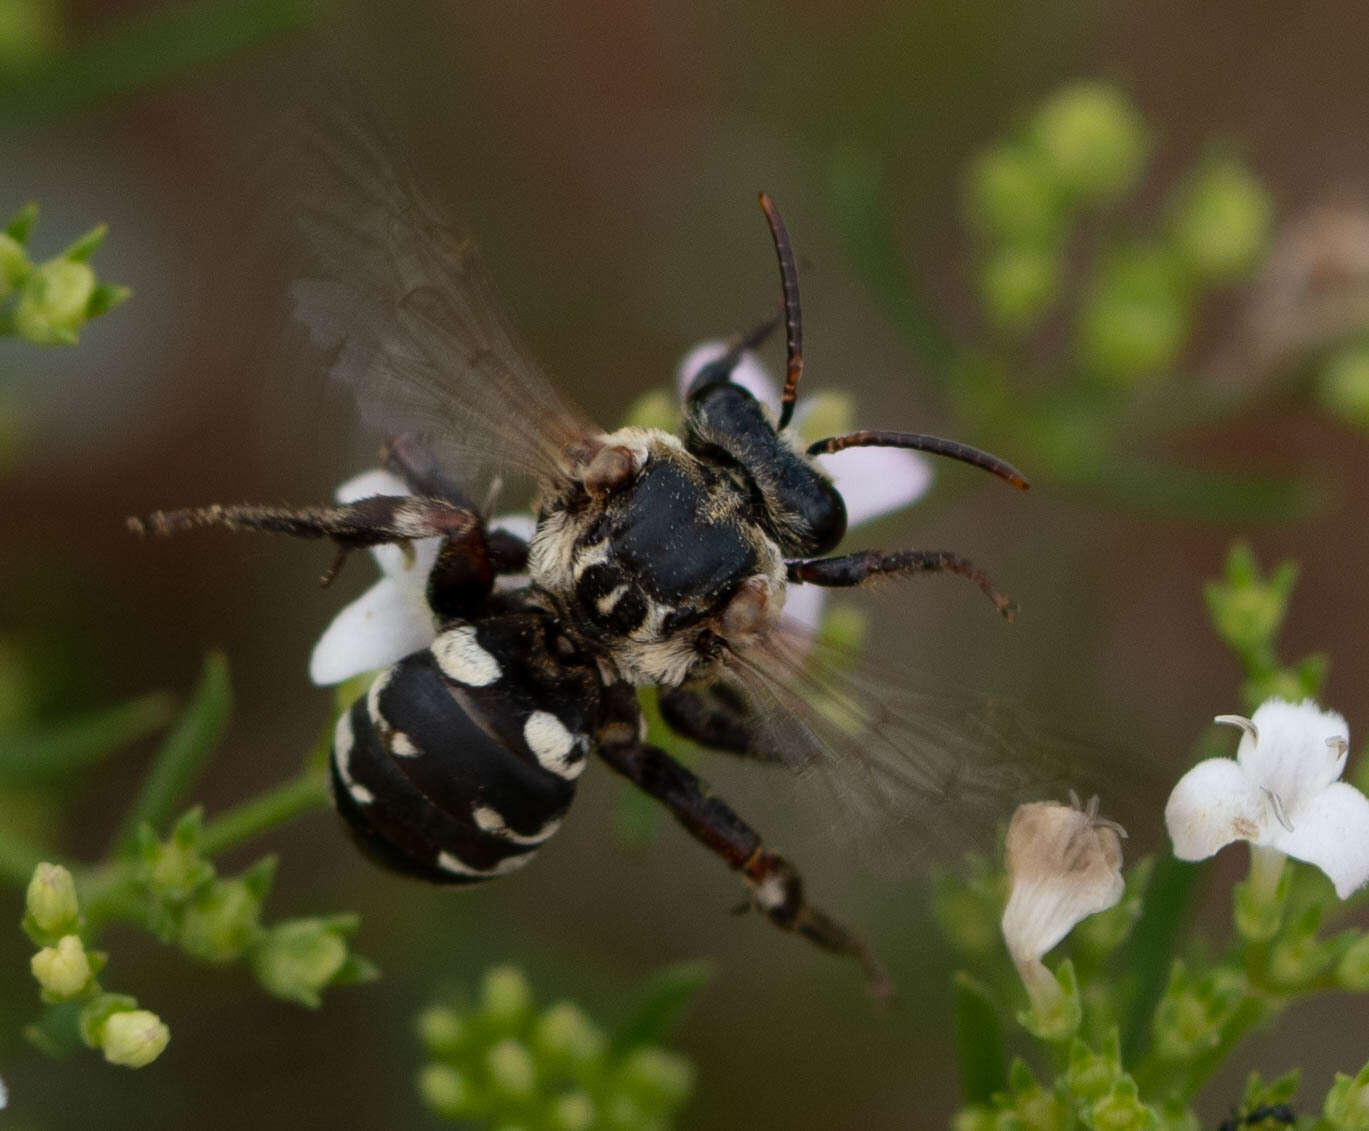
[298, 958]
[134, 1038]
[511, 1068]
[564, 1034]
[446, 1091]
[51, 899]
[62, 970]
[1018, 284]
[441, 1029]
[1343, 385]
[1134, 318]
[1347, 1103]
[572, 1112]
[52, 306]
[1011, 194]
[14, 264]
[505, 996]
[658, 1077]
[1122, 1110]
[1352, 971]
[1093, 138]
[1221, 222]
[220, 921]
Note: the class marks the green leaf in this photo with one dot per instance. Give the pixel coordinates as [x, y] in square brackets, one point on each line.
[20, 225]
[106, 297]
[44, 755]
[1153, 943]
[660, 1004]
[856, 200]
[980, 1055]
[184, 752]
[87, 245]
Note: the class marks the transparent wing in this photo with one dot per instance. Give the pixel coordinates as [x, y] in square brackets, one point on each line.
[906, 769]
[407, 308]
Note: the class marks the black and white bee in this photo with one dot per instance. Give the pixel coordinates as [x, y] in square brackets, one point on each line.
[657, 560]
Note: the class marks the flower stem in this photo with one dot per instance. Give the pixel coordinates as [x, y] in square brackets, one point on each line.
[295, 797]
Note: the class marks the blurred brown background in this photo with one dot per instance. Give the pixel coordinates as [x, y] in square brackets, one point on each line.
[608, 155]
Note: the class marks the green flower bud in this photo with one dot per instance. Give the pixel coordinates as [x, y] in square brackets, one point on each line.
[974, 1119]
[297, 959]
[441, 1030]
[1011, 194]
[653, 409]
[52, 305]
[1221, 221]
[51, 899]
[506, 997]
[1122, 1110]
[96, 1013]
[511, 1068]
[1347, 1103]
[1018, 284]
[660, 1079]
[134, 1038]
[1246, 608]
[446, 1091]
[1189, 1018]
[1035, 1108]
[63, 971]
[1298, 958]
[1056, 1010]
[173, 869]
[564, 1035]
[14, 264]
[1093, 140]
[1091, 1074]
[1343, 385]
[1352, 971]
[1134, 317]
[220, 921]
[572, 1112]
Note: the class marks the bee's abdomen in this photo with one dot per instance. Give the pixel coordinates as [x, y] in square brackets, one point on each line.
[460, 761]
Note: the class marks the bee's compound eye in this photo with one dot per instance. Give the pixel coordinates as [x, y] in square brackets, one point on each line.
[612, 468]
[748, 610]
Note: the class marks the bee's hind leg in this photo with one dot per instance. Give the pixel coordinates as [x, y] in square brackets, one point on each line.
[775, 885]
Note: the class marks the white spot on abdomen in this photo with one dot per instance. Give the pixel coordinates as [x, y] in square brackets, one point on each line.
[463, 660]
[344, 740]
[402, 745]
[492, 822]
[554, 747]
[457, 867]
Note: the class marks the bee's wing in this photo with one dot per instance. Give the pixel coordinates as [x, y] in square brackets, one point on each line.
[403, 301]
[911, 771]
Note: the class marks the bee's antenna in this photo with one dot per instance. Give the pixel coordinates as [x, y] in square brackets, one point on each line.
[934, 444]
[793, 325]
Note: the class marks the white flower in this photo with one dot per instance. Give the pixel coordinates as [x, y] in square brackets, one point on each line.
[1064, 863]
[1280, 793]
[392, 618]
[873, 481]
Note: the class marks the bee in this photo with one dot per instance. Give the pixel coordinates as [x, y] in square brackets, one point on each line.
[1278, 1114]
[657, 560]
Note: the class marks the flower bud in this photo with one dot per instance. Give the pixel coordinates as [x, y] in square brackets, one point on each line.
[511, 1068]
[974, 1119]
[564, 1035]
[1090, 1074]
[1035, 1108]
[1352, 971]
[174, 869]
[220, 921]
[62, 970]
[1347, 1103]
[1190, 1015]
[1220, 226]
[1011, 194]
[505, 997]
[297, 959]
[52, 305]
[446, 1091]
[1018, 284]
[658, 1078]
[1093, 139]
[1134, 317]
[441, 1030]
[51, 899]
[134, 1038]
[1343, 384]
[573, 1111]
[1122, 1110]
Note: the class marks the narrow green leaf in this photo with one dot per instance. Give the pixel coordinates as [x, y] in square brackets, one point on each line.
[87, 245]
[855, 198]
[661, 1002]
[20, 225]
[1153, 945]
[106, 297]
[43, 755]
[184, 752]
[979, 1049]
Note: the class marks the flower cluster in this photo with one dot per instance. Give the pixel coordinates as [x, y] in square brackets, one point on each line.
[503, 1062]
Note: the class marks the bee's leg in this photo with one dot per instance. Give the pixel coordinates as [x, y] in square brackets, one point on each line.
[775, 885]
[866, 565]
[352, 526]
[716, 716]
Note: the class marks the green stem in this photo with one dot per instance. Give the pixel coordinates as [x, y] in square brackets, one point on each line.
[18, 859]
[303, 794]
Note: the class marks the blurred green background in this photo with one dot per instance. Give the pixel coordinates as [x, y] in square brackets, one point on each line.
[608, 156]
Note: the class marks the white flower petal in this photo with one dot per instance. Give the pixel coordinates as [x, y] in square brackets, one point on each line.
[750, 374]
[377, 481]
[875, 481]
[522, 526]
[1290, 758]
[803, 605]
[1213, 804]
[1331, 831]
[381, 626]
